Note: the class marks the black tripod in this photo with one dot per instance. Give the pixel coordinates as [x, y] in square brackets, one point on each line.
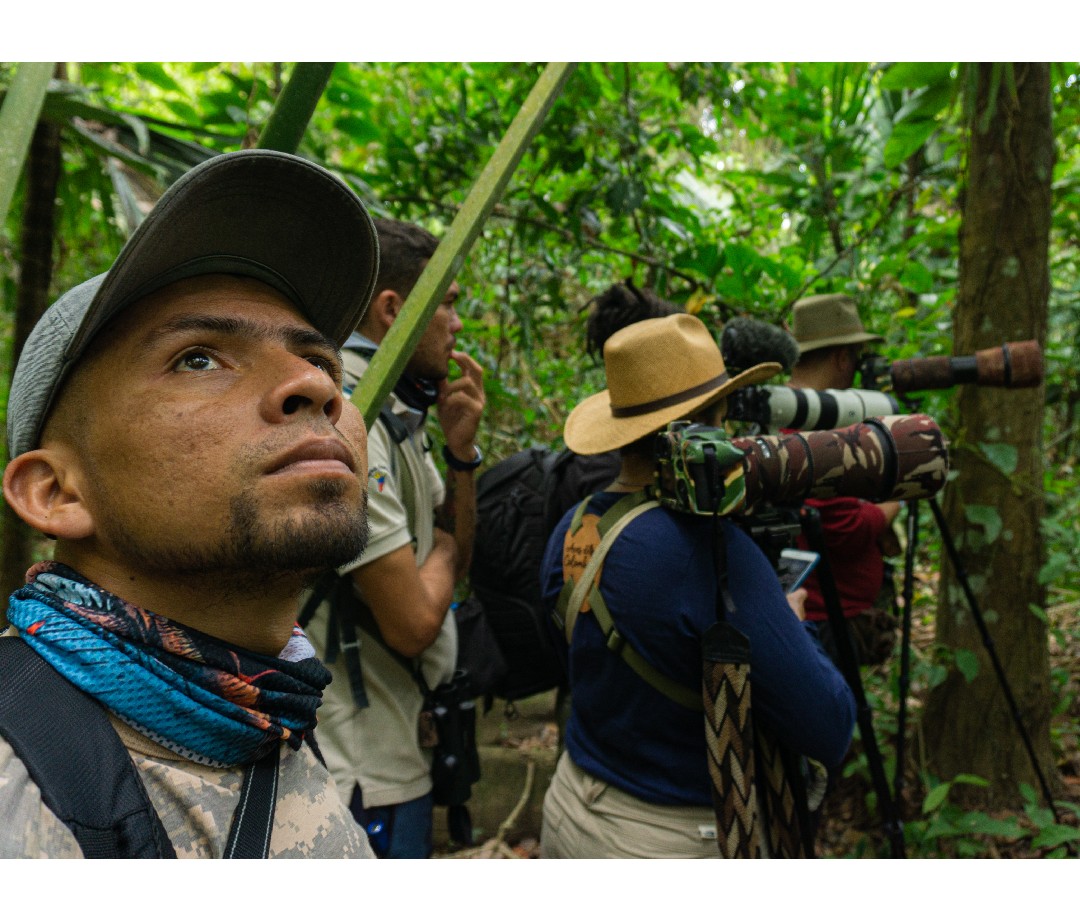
[776, 528]
[984, 634]
[810, 520]
[889, 802]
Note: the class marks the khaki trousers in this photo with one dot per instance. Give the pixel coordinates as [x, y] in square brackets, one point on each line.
[585, 818]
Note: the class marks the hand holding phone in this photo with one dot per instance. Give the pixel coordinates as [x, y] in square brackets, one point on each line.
[795, 565]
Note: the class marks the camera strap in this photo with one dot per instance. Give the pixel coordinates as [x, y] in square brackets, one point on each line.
[759, 785]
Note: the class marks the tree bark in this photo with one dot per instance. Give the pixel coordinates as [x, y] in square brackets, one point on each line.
[993, 512]
[35, 277]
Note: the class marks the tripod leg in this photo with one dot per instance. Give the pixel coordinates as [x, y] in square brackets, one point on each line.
[904, 678]
[811, 522]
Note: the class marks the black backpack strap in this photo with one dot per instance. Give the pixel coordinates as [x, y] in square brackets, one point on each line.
[253, 820]
[398, 431]
[76, 758]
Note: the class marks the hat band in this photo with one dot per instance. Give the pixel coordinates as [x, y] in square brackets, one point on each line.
[673, 400]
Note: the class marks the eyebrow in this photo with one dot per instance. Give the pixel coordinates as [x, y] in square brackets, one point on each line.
[297, 337]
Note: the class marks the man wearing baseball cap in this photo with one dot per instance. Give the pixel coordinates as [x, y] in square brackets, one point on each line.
[633, 780]
[177, 426]
[831, 341]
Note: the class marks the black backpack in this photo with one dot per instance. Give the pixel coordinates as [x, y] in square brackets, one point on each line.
[518, 503]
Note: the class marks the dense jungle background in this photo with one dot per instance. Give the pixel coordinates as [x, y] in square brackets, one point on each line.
[944, 198]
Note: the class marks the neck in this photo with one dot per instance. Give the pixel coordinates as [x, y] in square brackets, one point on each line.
[249, 611]
[635, 473]
[816, 378]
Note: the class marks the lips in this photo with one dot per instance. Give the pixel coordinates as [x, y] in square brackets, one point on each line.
[315, 455]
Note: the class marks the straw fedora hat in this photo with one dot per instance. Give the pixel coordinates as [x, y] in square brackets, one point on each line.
[658, 370]
[828, 319]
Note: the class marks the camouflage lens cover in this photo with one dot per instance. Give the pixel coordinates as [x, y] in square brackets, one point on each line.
[700, 471]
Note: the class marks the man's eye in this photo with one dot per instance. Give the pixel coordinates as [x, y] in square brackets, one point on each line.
[197, 361]
[324, 364]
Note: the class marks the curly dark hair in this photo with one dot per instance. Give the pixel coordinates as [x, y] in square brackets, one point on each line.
[620, 305]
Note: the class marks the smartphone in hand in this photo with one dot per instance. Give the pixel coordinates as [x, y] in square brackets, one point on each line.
[795, 565]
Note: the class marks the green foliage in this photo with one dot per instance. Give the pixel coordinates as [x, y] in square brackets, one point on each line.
[945, 828]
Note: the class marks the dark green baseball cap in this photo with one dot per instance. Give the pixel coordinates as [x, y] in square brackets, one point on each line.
[258, 213]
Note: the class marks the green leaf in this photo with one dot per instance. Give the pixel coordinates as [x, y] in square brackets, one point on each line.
[917, 278]
[935, 797]
[978, 822]
[360, 129]
[970, 779]
[906, 138]
[156, 74]
[1003, 456]
[987, 517]
[914, 75]
[967, 662]
[1055, 835]
[926, 104]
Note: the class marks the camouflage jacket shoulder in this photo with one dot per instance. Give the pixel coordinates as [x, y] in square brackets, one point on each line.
[196, 804]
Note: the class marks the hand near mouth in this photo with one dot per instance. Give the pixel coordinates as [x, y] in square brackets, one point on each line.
[460, 405]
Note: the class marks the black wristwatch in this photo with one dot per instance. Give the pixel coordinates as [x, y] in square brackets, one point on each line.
[462, 466]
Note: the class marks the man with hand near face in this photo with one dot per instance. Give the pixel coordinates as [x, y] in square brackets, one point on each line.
[387, 632]
[178, 426]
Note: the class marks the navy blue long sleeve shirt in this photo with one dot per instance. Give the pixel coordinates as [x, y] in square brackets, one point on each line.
[660, 586]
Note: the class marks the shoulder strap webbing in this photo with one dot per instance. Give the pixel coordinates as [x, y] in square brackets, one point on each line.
[253, 820]
[569, 604]
[611, 524]
[74, 755]
[396, 427]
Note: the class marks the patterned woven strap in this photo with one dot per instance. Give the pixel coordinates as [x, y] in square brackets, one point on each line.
[729, 741]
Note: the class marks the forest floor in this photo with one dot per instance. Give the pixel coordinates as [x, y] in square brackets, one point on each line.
[852, 826]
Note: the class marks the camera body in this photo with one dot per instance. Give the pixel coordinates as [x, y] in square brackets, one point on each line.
[699, 470]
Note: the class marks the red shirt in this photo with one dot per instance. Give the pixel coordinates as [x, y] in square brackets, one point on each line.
[851, 527]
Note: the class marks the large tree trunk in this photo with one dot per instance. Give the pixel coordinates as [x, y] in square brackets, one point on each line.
[993, 510]
[35, 277]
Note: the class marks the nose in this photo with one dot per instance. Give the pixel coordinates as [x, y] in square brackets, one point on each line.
[456, 325]
[298, 387]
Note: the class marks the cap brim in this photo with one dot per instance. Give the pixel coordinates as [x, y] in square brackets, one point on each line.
[260, 213]
[592, 429]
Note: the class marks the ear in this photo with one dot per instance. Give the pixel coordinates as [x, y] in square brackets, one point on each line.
[43, 489]
[381, 313]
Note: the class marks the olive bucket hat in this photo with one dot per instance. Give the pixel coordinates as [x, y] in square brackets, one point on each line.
[826, 320]
[258, 213]
[658, 371]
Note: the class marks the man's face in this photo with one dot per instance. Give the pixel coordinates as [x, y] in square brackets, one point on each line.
[213, 440]
[843, 365]
[431, 358]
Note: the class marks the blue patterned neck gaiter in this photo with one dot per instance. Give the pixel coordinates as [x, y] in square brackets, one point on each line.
[202, 698]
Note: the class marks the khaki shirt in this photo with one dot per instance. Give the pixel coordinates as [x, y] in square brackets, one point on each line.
[377, 748]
